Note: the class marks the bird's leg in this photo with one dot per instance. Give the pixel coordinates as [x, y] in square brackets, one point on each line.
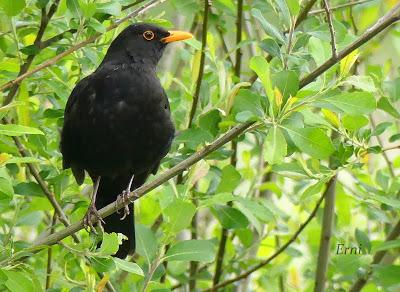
[92, 211]
[125, 198]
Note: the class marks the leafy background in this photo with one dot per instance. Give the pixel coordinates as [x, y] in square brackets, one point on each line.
[249, 215]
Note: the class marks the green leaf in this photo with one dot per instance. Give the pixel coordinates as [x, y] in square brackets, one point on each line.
[96, 25]
[191, 250]
[354, 122]
[113, 8]
[385, 105]
[128, 266]
[271, 47]
[18, 130]
[248, 101]
[230, 179]
[363, 240]
[257, 209]
[221, 198]
[229, 217]
[6, 188]
[285, 11]
[17, 281]
[267, 26]
[387, 275]
[260, 65]
[319, 50]
[12, 7]
[73, 6]
[275, 146]
[353, 103]
[101, 264]
[179, 215]
[365, 83]
[294, 6]
[109, 245]
[391, 244]
[312, 189]
[146, 242]
[288, 83]
[312, 141]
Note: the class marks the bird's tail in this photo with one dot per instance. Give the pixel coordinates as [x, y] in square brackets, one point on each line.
[107, 193]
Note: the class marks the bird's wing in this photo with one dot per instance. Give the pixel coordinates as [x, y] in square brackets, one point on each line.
[77, 102]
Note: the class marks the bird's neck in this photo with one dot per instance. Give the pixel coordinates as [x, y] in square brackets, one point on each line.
[125, 56]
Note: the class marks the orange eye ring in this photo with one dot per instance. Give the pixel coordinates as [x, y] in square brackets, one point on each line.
[148, 35]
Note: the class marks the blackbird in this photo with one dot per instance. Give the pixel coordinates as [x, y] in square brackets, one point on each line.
[117, 124]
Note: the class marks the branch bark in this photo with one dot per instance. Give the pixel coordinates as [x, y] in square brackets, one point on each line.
[331, 28]
[202, 61]
[326, 234]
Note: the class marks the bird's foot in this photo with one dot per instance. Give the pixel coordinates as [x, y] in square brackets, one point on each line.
[124, 197]
[87, 222]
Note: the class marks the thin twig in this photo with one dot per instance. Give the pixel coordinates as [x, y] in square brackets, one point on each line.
[395, 147]
[82, 44]
[351, 4]
[360, 283]
[202, 61]
[279, 251]
[216, 144]
[326, 234]
[331, 28]
[49, 254]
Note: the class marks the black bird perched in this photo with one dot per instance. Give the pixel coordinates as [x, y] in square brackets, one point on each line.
[117, 123]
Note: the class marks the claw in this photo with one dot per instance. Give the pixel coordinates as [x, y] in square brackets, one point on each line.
[87, 222]
[125, 199]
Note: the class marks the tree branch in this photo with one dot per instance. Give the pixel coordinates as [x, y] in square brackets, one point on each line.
[331, 28]
[326, 234]
[202, 61]
[360, 283]
[280, 250]
[304, 12]
[89, 40]
[318, 11]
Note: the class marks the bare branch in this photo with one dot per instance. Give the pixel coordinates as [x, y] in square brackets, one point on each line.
[326, 234]
[331, 28]
[202, 61]
[318, 11]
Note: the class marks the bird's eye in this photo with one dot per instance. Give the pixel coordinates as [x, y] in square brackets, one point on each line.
[148, 35]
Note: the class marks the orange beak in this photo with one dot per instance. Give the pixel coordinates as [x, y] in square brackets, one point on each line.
[176, 35]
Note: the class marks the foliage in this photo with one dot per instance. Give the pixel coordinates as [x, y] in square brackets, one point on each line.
[256, 196]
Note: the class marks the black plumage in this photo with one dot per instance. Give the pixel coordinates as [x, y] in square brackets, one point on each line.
[117, 122]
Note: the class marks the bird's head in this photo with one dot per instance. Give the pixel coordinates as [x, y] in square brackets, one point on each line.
[143, 42]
